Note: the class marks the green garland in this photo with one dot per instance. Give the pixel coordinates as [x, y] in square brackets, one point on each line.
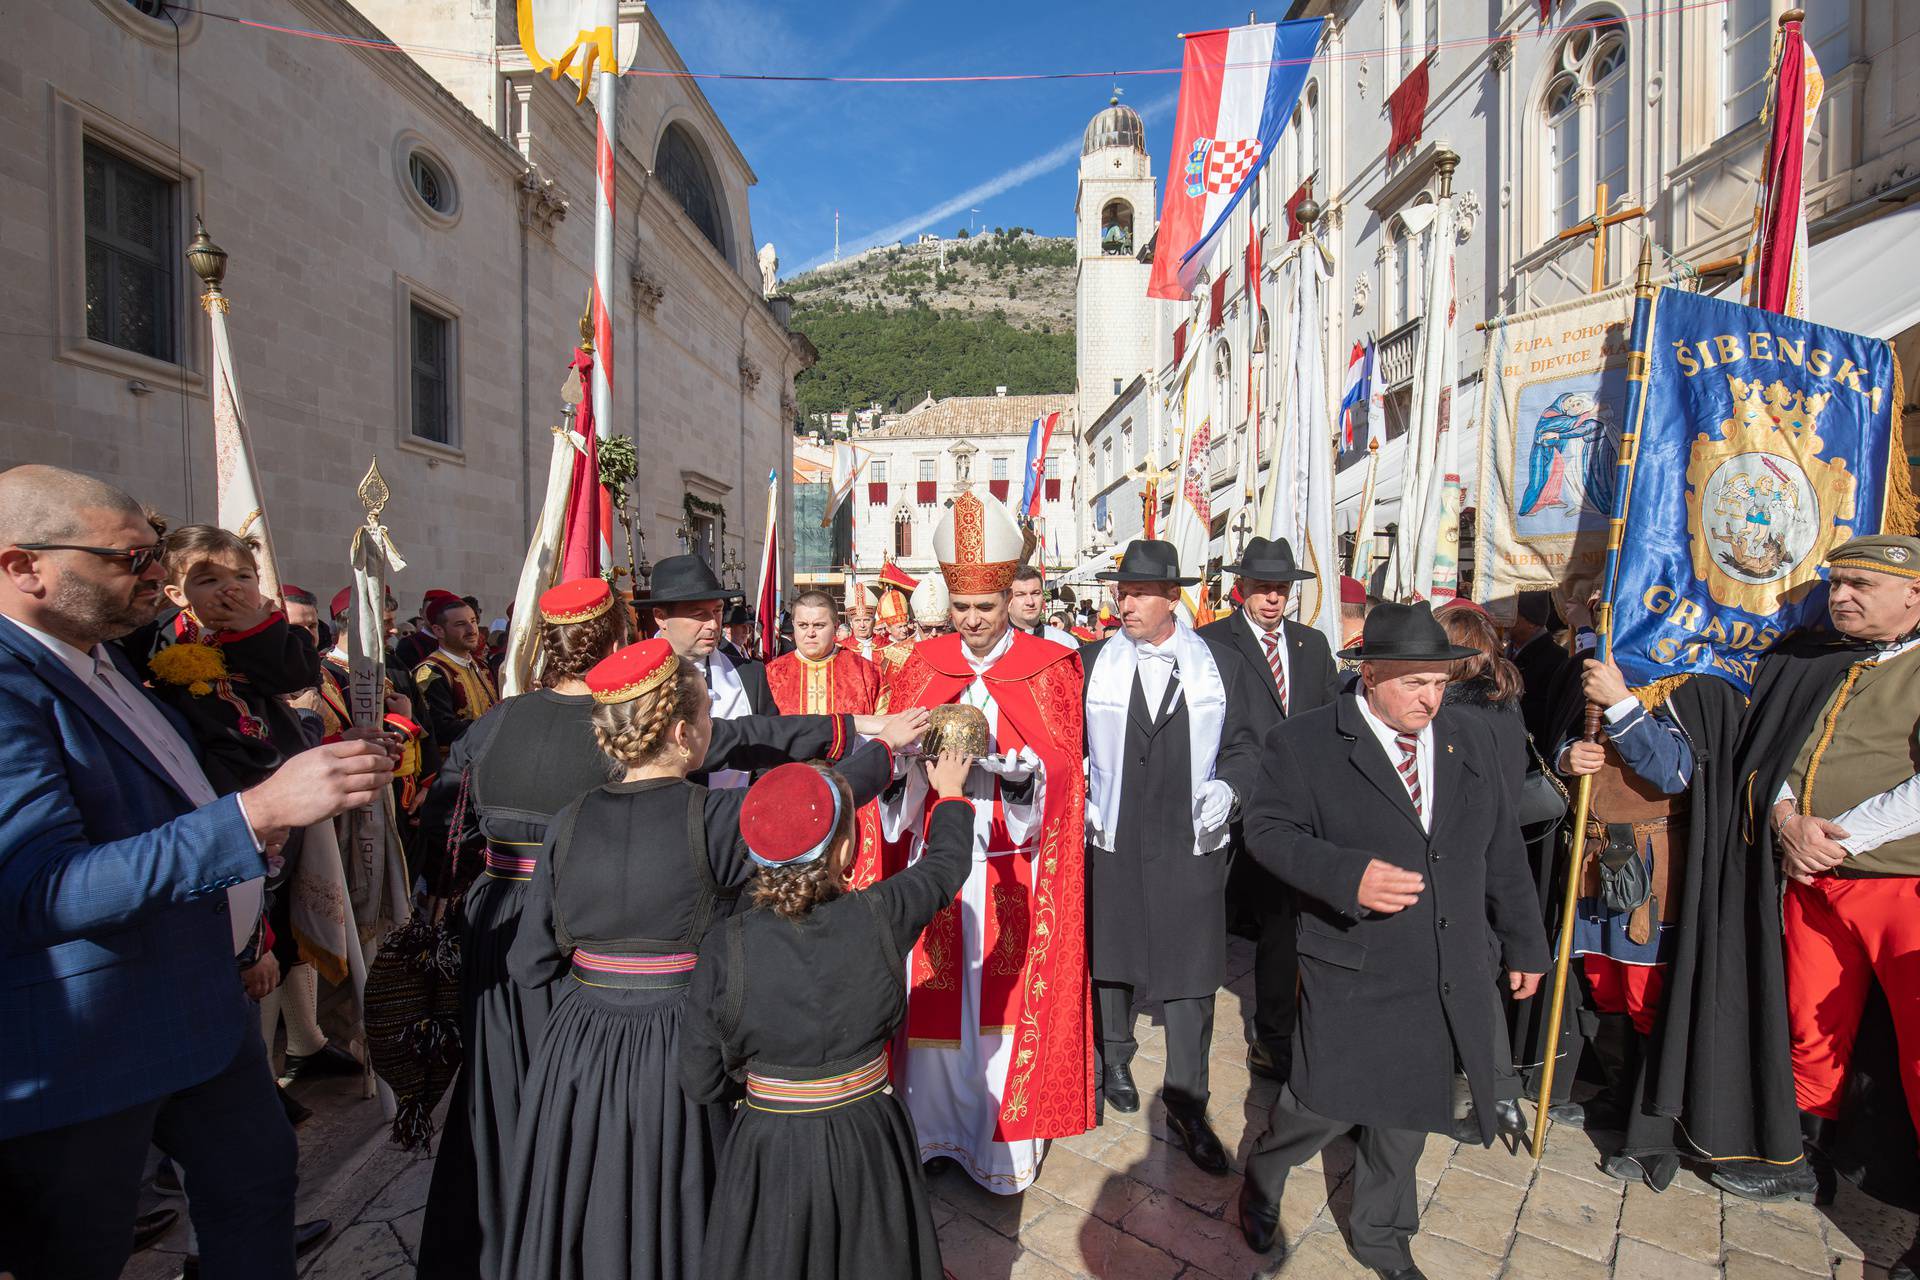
[715, 511]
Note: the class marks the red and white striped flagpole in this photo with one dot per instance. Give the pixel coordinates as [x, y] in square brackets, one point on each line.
[606, 106]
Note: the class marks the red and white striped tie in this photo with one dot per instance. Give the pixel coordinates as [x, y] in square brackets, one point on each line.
[1279, 672]
[1409, 745]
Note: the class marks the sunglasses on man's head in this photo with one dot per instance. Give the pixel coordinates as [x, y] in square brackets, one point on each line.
[139, 559]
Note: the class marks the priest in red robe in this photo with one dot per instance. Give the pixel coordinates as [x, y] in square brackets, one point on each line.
[820, 677]
[997, 1056]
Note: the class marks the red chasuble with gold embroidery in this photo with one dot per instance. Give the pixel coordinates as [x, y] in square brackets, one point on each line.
[842, 683]
[1034, 989]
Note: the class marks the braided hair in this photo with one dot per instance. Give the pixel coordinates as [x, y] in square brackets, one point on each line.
[635, 732]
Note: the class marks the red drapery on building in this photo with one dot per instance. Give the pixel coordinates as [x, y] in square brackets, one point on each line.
[1217, 305]
[998, 488]
[1407, 106]
[1053, 489]
[1293, 208]
[877, 493]
[925, 492]
[1179, 342]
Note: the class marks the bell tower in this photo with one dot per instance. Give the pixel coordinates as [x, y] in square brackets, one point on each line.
[1113, 217]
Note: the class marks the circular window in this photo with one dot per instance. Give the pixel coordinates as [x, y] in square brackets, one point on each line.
[150, 8]
[163, 23]
[426, 180]
[429, 183]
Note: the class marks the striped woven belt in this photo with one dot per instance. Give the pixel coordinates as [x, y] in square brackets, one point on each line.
[634, 972]
[502, 865]
[797, 1097]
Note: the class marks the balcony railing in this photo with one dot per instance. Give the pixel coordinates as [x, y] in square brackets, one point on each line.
[1398, 351]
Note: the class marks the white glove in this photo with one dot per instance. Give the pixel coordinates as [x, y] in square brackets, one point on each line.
[1014, 768]
[1213, 804]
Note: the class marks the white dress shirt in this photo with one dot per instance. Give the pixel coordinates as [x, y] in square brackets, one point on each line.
[1279, 634]
[142, 718]
[1157, 666]
[1422, 754]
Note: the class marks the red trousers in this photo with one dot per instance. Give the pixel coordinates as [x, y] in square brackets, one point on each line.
[1632, 989]
[1840, 936]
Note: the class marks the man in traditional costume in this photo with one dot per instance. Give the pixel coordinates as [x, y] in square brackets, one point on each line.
[1384, 811]
[1296, 674]
[1826, 776]
[822, 678]
[689, 603]
[995, 1059]
[1174, 725]
[455, 687]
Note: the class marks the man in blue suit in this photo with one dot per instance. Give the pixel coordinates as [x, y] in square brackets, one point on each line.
[122, 1018]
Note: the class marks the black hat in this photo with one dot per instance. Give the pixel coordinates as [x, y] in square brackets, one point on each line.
[1269, 560]
[738, 615]
[681, 578]
[1405, 633]
[1147, 561]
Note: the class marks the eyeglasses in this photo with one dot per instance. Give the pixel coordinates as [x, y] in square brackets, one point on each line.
[139, 559]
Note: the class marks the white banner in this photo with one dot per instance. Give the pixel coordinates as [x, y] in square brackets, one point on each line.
[1302, 472]
[1425, 562]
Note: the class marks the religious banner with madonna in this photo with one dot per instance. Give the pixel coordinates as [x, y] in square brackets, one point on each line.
[1757, 444]
[1553, 399]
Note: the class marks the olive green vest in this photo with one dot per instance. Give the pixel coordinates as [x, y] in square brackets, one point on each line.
[1863, 743]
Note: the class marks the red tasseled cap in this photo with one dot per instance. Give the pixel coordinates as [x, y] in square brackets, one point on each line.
[789, 816]
[627, 673]
[1352, 590]
[580, 600]
[1460, 602]
[341, 599]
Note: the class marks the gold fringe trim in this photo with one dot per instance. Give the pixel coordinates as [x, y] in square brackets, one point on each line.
[1902, 513]
[1652, 696]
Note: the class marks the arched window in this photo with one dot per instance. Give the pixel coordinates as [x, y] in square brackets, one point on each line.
[902, 533]
[1116, 229]
[682, 170]
[1307, 137]
[1586, 116]
[1410, 260]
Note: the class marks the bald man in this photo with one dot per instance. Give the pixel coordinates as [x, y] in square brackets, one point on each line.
[122, 1017]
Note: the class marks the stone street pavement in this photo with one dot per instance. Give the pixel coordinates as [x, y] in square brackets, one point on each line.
[1121, 1203]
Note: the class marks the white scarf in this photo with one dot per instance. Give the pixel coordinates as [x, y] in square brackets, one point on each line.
[1110, 690]
[729, 703]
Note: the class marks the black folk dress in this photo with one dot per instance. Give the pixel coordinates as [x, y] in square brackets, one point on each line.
[612, 1166]
[522, 762]
[821, 1178]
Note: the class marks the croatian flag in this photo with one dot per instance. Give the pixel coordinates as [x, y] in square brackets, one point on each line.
[1038, 437]
[1237, 90]
[1355, 430]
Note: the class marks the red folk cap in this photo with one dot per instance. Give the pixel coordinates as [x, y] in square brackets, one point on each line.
[341, 599]
[1460, 602]
[627, 673]
[580, 600]
[789, 816]
[1352, 590]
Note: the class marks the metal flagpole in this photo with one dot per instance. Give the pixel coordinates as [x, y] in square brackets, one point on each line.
[1644, 290]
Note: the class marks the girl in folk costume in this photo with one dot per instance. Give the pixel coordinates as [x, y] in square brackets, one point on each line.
[611, 1165]
[821, 1177]
[997, 1051]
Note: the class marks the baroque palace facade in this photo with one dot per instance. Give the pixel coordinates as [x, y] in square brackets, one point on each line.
[1661, 103]
[411, 248]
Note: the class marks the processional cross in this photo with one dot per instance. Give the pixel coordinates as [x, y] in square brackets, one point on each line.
[1596, 226]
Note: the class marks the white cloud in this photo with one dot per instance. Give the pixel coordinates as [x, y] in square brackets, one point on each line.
[1004, 181]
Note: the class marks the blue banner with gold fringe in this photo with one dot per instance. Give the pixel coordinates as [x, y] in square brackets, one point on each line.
[1755, 444]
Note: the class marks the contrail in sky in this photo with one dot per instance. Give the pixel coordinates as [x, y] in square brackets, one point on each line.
[1046, 162]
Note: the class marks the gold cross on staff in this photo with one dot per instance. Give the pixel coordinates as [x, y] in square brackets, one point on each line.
[1596, 226]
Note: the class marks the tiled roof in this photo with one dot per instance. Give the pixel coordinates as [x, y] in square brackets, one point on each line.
[970, 416]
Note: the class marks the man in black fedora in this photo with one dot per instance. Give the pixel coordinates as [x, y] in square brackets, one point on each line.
[1297, 674]
[1173, 726]
[689, 604]
[1385, 814]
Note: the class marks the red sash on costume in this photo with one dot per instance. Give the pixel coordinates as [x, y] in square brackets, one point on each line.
[1034, 983]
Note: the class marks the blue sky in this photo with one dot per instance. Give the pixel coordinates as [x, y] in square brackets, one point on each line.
[900, 159]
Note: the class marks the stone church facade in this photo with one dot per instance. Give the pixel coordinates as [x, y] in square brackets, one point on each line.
[410, 249]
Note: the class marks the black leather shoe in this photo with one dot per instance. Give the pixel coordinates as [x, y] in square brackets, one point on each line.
[1507, 1123]
[329, 1060]
[1265, 1063]
[1816, 1135]
[1408, 1272]
[1121, 1092]
[1197, 1136]
[1758, 1180]
[308, 1234]
[298, 1112]
[149, 1227]
[1657, 1171]
[1259, 1219]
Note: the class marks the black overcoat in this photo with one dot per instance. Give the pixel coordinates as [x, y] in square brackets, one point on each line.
[1156, 910]
[1312, 678]
[1387, 1002]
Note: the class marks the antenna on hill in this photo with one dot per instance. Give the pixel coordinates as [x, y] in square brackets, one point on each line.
[836, 235]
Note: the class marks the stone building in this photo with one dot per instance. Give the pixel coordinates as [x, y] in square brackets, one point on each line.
[1660, 103]
[411, 245]
[923, 457]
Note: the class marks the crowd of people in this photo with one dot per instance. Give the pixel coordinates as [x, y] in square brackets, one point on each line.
[748, 947]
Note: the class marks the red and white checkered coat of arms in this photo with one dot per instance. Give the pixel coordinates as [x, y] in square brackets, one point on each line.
[1217, 168]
